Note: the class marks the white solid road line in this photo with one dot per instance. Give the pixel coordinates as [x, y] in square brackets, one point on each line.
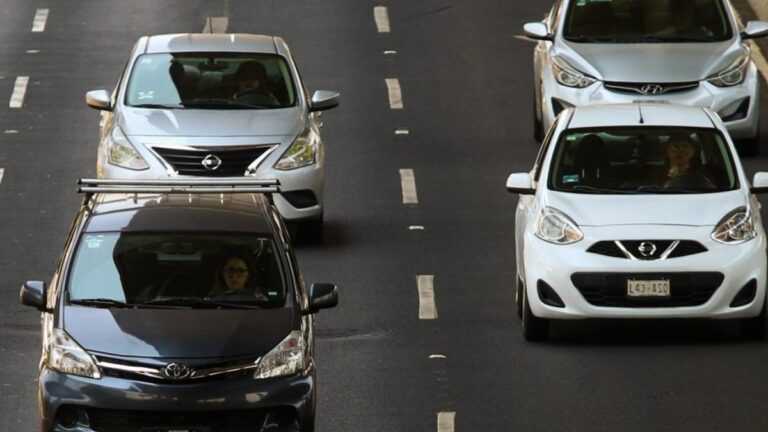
[38, 23]
[2, 173]
[427, 307]
[395, 93]
[381, 16]
[216, 25]
[408, 184]
[19, 90]
[445, 421]
[401, 132]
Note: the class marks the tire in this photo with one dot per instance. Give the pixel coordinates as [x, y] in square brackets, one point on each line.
[538, 125]
[754, 328]
[534, 328]
[519, 288]
[311, 231]
[749, 147]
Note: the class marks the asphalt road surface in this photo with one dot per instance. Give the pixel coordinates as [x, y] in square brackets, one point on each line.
[465, 82]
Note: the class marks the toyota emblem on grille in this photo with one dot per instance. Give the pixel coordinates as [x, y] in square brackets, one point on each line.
[647, 249]
[651, 89]
[211, 162]
[177, 371]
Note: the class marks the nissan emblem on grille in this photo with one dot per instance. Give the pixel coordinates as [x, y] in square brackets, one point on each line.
[211, 162]
[177, 371]
[647, 249]
[651, 89]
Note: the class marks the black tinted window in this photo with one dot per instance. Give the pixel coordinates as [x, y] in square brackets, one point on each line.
[211, 80]
[652, 21]
[642, 160]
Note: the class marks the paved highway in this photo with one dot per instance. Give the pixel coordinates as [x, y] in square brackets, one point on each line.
[461, 122]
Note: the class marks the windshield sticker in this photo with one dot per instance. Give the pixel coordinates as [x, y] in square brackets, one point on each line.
[272, 293]
[571, 178]
[146, 60]
[94, 242]
[147, 94]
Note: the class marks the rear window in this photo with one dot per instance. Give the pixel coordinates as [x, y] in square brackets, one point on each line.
[646, 21]
[642, 160]
[145, 269]
[211, 81]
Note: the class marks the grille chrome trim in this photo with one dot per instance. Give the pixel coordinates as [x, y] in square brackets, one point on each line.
[674, 249]
[203, 151]
[637, 87]
[194, 374]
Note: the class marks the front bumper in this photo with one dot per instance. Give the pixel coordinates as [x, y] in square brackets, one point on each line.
[125, 404]
[555, 265]
[726, 101]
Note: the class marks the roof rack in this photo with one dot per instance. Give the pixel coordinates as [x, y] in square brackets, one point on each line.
[177, 186]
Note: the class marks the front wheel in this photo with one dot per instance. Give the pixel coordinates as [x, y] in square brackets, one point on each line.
[754, 328]
[534, 328]
[519, 288]
[311, 231]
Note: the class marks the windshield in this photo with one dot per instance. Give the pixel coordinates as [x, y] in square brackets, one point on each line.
[211, 81]
[642, 160]
[187, 270]
[649, 21]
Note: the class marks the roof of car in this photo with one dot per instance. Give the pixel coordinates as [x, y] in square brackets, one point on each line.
[653, 114]
[207, 42]
[242, 212]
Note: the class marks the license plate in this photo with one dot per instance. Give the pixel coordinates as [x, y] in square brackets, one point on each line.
[648, 288]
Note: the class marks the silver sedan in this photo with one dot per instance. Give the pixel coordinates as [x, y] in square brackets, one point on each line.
[217, 105]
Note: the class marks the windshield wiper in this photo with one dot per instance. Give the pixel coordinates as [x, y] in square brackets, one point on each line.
[594, 190]
[218, 103]
[157, 106]
[672, 39]
[194, 302]
[664, 190]
[103, 303]
[587, 39]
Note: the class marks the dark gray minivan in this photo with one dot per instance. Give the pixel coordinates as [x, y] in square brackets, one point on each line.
[177, 306]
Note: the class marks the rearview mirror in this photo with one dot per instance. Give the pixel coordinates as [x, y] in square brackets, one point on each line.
[755, 29]
[520, 183]
[760, 183]
[323, 100]
[98, 99]
[537, 31]
[32, 293]
[322, 296]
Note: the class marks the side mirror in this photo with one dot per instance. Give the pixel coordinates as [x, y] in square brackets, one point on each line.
[537, 31]
[98, 99]
[520, 183]
[323, 100]
[322, 296]
[760, 183]
[32, 293]
[755, 29]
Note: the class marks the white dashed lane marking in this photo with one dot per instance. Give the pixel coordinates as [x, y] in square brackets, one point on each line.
[408, 185]
[2, 173]
[381, 16]
[38, 23]
[19, 90]
[216, 25]
[445, 421]
[395, 93]
[427, 307]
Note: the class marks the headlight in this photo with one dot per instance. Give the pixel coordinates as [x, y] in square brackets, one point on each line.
[555, 227]
[302, 152]
[64, 355]
[736, 227]
[568, 76]
[287, 358]
[734, 74]
[122, 153]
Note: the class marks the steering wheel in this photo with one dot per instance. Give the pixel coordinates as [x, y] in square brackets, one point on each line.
[690, 180]
[256, 96]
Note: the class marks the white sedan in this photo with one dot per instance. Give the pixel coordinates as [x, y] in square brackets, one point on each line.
[638, 211]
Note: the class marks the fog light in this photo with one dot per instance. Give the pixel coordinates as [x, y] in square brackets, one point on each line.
[548, 296]
[67, 417]
[735, 111]
[746, 294]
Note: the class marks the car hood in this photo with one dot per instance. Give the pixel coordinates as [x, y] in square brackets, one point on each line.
[210, 122]
[654, 209]
[178, 333]
[652, 62]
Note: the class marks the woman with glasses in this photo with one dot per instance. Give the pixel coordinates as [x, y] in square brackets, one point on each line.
[236, 277]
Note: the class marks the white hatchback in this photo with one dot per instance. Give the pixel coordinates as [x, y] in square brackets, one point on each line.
[638, 211]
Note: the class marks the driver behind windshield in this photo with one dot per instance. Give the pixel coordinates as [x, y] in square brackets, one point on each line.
[251, 85]
[236, 277]
[680, 163]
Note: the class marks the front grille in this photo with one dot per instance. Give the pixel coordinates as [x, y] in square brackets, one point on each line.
[193, 421]
[610, 289]
[650, 89]
[118, 368]
[233, 162]
[663, 249]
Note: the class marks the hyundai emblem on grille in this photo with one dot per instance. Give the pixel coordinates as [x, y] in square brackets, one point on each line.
[651, 89]
[177, 371]
[211, 162]
[647, 249]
